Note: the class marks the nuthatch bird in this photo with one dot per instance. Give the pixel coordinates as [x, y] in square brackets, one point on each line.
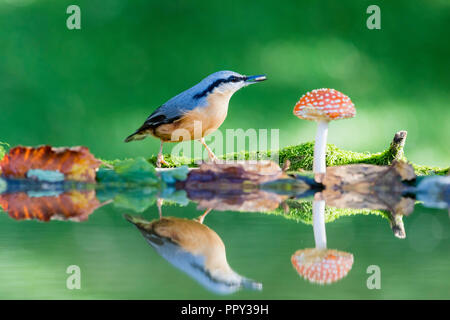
[205, 103]
[195, 249]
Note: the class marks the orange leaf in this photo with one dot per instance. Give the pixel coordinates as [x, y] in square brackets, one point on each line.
[74, 205]
[75, 163]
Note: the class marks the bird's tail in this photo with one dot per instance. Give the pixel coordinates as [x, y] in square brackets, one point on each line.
[251, 284]
[135, 136]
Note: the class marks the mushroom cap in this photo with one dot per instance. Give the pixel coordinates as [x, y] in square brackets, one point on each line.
[324, 104]
[322, 266]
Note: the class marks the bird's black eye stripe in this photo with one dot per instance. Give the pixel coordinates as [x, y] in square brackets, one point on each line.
[235, 79]
[217, 83]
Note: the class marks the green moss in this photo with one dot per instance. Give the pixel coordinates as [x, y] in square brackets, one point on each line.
[3, 147]
[301, 211]
[175, 161]
[301, 158]
[426, 171]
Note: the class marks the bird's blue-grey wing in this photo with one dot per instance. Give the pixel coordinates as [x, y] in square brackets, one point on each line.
[173, 109]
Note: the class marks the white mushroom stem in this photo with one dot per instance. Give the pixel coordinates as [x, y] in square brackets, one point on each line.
[320, 146]
[320, 235]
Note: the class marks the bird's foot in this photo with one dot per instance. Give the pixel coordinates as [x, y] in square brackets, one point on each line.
[159, 203]
[211, 155]
[160, 160]
[202, 217]
[213, 158]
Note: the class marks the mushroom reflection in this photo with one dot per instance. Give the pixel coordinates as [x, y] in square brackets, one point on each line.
[196, 250]
[321, 265]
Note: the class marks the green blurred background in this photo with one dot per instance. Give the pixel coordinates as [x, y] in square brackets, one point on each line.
[96, 85]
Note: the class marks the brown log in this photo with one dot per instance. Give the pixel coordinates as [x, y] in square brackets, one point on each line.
[369, 186]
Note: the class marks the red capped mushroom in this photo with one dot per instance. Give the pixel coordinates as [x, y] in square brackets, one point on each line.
[322, 266]
[323, 106]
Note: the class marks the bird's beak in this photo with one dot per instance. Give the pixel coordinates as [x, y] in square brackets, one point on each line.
[255, 79]
[138, 222]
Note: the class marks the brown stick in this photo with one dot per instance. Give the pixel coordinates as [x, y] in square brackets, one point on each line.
[397, 145]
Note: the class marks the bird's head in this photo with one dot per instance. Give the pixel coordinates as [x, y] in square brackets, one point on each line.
[226, 82]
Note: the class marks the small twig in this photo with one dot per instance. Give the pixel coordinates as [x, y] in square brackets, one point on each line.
[285, 206]
[286, 165]
[396, 222]
[107, 165]
[396, 148]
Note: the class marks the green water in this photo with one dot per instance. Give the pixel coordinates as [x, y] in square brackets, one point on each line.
[117, 263]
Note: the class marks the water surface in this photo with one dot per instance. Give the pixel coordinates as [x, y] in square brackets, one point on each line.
[116, 261]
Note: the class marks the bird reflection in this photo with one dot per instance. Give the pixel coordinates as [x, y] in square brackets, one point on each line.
[321, 265]
[195, 249]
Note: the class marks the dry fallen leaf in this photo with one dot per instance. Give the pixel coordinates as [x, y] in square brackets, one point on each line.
[76, 163]
[72, 205]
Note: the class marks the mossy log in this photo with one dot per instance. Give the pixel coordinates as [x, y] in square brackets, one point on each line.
[301, 157]
[301, 211]
[369, 187]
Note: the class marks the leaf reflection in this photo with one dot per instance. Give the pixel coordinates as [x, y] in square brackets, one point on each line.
[72, 205]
